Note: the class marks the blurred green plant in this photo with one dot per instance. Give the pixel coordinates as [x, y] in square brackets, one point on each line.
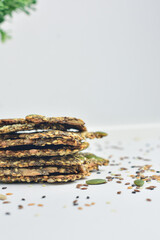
[8, 7]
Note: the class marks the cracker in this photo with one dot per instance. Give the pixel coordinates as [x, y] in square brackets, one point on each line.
[29, 126]
[38, 142]
[47, 170]
[41, 122]
[49, 179]
[68, 160]
[53, 134]
[68, 122]
[42, 171]
[42, 135]
[52, 150]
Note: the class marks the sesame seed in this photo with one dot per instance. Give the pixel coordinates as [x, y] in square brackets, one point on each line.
[148, 200]
[75, 203]
[7, 213]
[127, 183]
[31, 204]
[80, 208]
[20, 206]
[5, 202]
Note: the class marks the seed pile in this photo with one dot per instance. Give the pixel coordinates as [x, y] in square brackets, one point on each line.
[41, 149]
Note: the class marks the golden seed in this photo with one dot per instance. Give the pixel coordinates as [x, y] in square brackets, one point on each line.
[2, 197]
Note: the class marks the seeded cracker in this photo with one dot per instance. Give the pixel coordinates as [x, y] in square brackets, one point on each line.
[52, 151]
[43, 135]
[79, 136]
[40, 122]
[68, 160]
[41, 149]
[49, 179]
[38, 142]
[41, 171]
[47, 170]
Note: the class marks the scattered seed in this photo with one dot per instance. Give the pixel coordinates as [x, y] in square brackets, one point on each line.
[5, 202]
[31, 204]
[80, 208]
[148, 200]
[93, 203]
[118, 182]
[119, 192]
[75, 203]
[44, 196]
[2, 197]
[87, 205]
[20, 206]
[139, 182]
[123, 169]
[136, 190]
[4, 188]
[88, 197]
[7, 213]
[40, 205]
[84, 188]
[23, 199]
[127, 183]
[9, 194]
[95, 181]
[151, 187]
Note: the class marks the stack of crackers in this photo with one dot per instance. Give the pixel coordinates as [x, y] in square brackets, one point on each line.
[41, 149]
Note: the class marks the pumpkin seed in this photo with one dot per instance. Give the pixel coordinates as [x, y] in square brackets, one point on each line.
[95, 181]
[93, 156]
[139, 182]
[103, 134]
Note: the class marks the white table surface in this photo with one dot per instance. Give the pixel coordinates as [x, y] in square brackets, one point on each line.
[128, 216]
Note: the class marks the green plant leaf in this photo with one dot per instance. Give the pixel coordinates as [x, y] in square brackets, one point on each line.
[8, 7]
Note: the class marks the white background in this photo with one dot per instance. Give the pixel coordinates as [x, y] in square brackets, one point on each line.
[98, 60]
